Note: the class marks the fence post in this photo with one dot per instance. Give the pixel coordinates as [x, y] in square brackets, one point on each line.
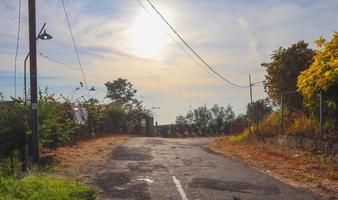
[257, 120]
[320, 112]
[282, 113]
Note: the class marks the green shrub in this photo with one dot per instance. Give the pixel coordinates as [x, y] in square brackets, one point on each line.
[43, 187]
[11, 166]
[57, 125]
[12, 126]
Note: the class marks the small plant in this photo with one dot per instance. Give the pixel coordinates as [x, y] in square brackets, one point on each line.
[43, 187]
[241, 137]
[270, 126]
[300, 125]
[11, 166]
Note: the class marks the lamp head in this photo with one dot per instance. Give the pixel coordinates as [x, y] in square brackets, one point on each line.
[45, 36]
[92, 89]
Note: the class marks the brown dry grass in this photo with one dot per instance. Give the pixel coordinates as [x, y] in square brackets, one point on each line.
[295, 168]
[83, 160]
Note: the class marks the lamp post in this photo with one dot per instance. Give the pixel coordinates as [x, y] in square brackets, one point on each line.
[43, 36]
[33, 76]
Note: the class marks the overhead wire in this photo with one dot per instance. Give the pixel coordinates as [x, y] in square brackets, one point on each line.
[56, 61]
[75, 47]
[180, 46]
[193, 51]
[17, 46]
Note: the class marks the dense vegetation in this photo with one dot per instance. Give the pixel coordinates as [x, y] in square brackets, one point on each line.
[205, 121]
[57, 127]
[296, 77]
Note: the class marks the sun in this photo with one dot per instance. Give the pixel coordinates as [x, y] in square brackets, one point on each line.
[148, 39]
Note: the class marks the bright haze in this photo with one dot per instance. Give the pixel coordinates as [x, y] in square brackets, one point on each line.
[121, 39]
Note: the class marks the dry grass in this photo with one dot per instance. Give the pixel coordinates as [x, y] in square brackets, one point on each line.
[295, 168]
[84, 159]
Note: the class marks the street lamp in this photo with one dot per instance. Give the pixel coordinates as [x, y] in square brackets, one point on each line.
[43, 36]
[92, 89]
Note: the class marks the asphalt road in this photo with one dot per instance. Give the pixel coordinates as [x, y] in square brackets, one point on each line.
[158, 168]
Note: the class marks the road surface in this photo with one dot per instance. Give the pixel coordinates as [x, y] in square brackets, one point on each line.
[159, 168]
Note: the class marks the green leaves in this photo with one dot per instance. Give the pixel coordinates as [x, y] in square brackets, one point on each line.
[283, 70]
[121, 92]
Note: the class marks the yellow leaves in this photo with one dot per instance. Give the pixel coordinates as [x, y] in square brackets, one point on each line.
[323, 72]
[320, 41]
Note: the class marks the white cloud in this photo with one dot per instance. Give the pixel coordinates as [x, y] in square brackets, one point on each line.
[233, 37]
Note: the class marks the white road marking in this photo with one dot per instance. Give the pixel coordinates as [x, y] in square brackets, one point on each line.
[146, 180]
[180, 188]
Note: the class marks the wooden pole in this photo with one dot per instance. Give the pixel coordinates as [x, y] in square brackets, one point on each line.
[33, 79]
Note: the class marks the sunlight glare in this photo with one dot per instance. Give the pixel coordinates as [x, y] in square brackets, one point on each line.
[148, 40]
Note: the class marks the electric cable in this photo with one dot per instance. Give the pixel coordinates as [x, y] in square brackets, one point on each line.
[17, 47]
[193, 51]
[75, 47]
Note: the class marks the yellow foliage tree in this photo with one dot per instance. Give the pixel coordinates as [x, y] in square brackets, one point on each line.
[322, 76]
[323, 72]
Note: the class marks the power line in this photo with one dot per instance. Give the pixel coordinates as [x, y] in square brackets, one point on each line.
[17, 46]
[180, 46]
[75, 48]
[56, 61]
[193, 51]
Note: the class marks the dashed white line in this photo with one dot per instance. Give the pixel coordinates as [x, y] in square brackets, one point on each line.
[180, 188]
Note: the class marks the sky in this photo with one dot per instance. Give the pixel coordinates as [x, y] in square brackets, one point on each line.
[122, 39]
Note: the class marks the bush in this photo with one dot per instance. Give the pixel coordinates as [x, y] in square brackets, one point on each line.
[12, 126]
[240, 137]
[269, 126]
[56, 123]
[43, 187]
[11, 166]
[300, 125]
[113, 118]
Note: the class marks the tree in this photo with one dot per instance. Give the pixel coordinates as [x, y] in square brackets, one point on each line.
[181, 123]
[121, 92]
[283, 70]
[218, 117]
[322, 75]
[202, 116]
[113, 118]
[229, 116]
[137, 117]
[260, 109]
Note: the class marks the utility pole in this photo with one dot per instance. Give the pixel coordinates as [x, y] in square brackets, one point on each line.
[250, 107]
[33, 79]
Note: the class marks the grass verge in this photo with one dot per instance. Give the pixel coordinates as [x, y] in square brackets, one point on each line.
[294, 167]
[83, 160]
[44, 187]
